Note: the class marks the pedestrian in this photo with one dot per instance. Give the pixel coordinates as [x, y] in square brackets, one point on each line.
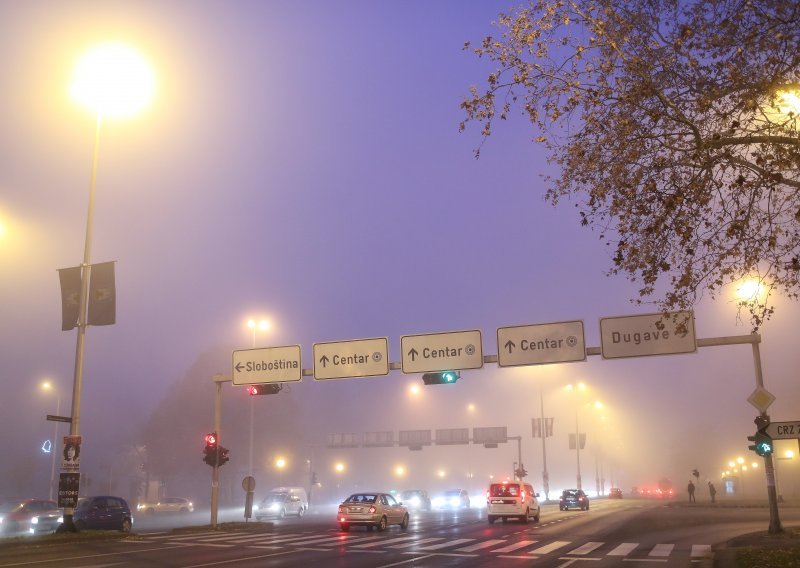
[690, 488]
[713, 491]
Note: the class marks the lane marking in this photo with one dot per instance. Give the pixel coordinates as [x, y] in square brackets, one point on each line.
[624, 549]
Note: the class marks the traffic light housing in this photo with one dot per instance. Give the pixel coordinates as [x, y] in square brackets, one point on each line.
[210, 450]
[441, 378]
[762, 442]
[521, 472]
[267, 388]
[223, 455]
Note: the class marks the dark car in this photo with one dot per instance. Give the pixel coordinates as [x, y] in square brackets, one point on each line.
[103, 512]
[17, 518]
[416, 499]
[615, 493]
[573, 499]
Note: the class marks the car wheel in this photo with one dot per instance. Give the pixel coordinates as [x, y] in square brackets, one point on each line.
[404, 523]
[300, 512]
[183, 510]
[150, 511]
[492, 519]
[282, 513]
[524, 518]
[126, 526]
[370, 527]
[382, 524]
[536, 516]
[344, 526]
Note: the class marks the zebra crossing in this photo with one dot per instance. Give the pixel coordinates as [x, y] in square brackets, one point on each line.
[418, 543]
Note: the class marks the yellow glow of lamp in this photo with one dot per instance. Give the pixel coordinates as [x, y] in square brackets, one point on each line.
[113, 80]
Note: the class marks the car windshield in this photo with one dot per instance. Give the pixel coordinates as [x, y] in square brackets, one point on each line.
[361, 498]
[571, 493]
[409, 494]
[454, 493]
[504, 490]
[275, 498]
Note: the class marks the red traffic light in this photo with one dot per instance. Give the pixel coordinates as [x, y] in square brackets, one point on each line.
[211, 439]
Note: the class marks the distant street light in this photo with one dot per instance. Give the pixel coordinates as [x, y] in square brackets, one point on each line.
[115, 81]
[280, 463]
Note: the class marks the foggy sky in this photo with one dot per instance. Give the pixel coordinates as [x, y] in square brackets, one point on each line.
[302, 162]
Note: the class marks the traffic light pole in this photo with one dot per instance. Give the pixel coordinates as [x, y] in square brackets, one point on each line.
[769, 467]
[218, 380]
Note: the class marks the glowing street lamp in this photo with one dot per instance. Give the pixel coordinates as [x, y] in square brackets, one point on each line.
[111, 80]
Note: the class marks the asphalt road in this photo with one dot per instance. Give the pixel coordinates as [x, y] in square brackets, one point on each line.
[612, 533]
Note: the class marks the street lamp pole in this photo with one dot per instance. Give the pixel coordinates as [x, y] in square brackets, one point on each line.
[545, 475]
[578, 446]
[53, 447]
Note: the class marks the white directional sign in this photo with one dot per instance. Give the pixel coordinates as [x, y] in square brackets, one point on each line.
[540, 344]
[355, 358]
[784, 430]
[267, 365]
[650, 334]
[450, 351]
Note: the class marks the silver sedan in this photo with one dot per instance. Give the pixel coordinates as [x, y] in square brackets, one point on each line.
[372, 510]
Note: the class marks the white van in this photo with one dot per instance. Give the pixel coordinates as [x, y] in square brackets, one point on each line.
[512, 499]
[283, 501]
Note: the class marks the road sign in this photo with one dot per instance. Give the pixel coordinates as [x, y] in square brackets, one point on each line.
[350, 359]
[267, 365]
[784, 430]
[449, 351]
[761, 398]
[54, 418]
[649, 334]
[540, 344]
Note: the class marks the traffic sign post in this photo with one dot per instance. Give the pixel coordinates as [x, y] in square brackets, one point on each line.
[541, 344]
[351, 359]
[649, 334]
[441, 351]
[267, 365]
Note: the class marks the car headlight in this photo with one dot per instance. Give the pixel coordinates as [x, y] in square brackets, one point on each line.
[454, 501]
[415, 501]
[437, 501]
[34, 520]
[274, 507]
[255, 507]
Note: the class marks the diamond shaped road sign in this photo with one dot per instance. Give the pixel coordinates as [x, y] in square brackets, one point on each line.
[761, 399]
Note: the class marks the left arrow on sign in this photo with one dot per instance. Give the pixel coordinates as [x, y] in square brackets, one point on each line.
[239, 367]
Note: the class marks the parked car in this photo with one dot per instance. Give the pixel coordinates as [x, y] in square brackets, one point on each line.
[16, 519]
[512, 500]
[373, 510]
[103, 512]
[166, 505]
[282, 501]
[452, 499]
[615, 493]
[573, 499]
[416, 499]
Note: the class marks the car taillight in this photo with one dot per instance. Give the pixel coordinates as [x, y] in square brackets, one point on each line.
[580, 498]
[372, 510]
[522, 494]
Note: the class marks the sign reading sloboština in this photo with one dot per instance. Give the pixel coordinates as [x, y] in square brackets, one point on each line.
[267, 365]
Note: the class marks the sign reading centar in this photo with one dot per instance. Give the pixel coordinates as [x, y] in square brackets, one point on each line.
[447, 351]
[649, 334]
